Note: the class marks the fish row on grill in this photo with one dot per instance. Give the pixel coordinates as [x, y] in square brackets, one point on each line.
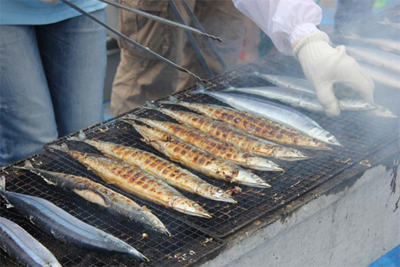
[57, 222]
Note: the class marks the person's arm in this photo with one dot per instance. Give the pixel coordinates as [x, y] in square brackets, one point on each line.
[292, 26]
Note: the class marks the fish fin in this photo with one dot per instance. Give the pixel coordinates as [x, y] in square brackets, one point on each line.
[2, 183]
[131, 117]
[9, 206]
[200, 90]
[27, 166]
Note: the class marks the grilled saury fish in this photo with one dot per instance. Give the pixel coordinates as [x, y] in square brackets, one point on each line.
[197, 159]
[164, 169]
[212, 145]
[136, 181]
[234, 136]
[101, 195]
[275, 112]
[64, 226]
[253, 124]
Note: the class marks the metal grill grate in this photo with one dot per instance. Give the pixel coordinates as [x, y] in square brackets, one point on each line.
[186, 246]
[361, 136]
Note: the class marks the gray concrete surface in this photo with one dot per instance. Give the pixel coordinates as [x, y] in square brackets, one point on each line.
[351, 227]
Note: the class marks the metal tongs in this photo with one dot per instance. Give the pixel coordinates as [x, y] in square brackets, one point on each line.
[146, 49]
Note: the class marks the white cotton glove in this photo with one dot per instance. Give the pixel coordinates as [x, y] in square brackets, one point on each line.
[51, 2]
[324, 66]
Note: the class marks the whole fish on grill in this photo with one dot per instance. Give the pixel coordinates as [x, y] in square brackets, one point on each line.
[101, 195]
[305, 86]
[384, 44]
[375, 57]
[233, 135]
[136, 181]
[382, 76]
[23, 247]
[197, 159]
[253, 124]
[275, 112]
[288, 82]
[164, 169]
[211, 144]
[64, 226]
[301, 99]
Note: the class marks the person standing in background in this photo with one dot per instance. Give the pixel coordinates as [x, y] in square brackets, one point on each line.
[140, 77]
[52, 62]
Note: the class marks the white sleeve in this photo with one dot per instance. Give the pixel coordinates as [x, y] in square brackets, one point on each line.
[284, 21]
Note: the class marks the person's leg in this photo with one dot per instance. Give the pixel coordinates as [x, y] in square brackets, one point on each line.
[222, 19]
[140, 77]
[26, 112]
[74, 58]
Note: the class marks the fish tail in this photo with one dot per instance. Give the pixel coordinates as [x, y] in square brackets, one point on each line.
[130, 117]
[2, 183]
[27, 166]
[81, 137]
[171, 100]
[200, 90]
[63, 147]
[149, 105]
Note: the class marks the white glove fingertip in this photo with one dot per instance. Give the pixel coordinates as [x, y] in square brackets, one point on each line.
[332, 111]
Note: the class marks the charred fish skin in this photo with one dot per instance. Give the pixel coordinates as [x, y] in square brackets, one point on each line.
[197, 159]
[255, 125]
[164, 169]
[64, 226]
[137, 182]
[23, 247]
[236, 137]
[273, 111]
[101, 195]
[212, 145]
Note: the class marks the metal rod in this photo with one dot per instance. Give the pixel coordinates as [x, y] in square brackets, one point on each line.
[146, 49]
[192, 41]
[162, 20]
[200, 27]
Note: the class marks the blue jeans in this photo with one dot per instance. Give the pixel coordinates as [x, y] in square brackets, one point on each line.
[51, 82]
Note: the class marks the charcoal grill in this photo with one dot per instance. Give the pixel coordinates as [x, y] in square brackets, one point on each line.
[195, 239]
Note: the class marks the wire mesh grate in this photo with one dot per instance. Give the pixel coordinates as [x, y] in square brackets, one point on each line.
[360, 135]
[185, 247]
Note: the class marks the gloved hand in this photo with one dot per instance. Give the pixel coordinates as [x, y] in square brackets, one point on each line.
[51, 2]
[324, 66]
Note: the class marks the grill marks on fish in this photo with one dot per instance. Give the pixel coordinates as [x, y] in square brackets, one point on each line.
[236, 137]
[138, 182]
[64, 226]
[212, 145]
[164, 169]
[101, 195]
[20, 245]
[255, 125]
[197, 159]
